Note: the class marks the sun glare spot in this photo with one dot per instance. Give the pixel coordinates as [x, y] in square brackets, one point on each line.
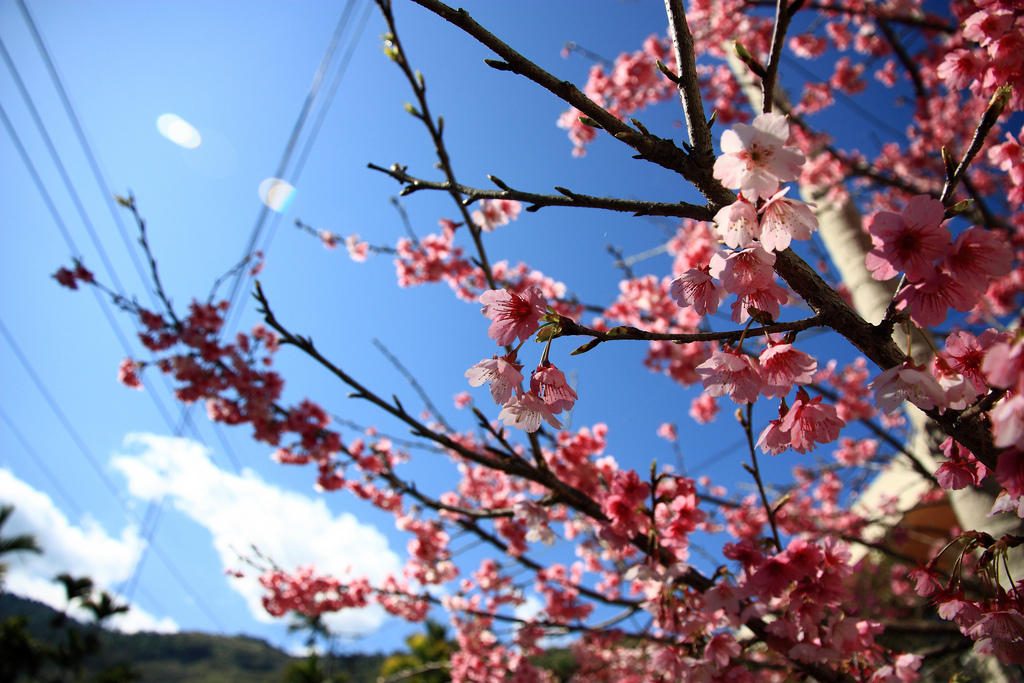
[179, 131]
[276, 194]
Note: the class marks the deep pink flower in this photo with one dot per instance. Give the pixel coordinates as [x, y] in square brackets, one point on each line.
[929, 300]
[809, 422]
[978, 255]
[549, 383]
[910, 243]
[782, 366]
[503, 374]
[697, 288]
[526, 412]
[784, 219]
[514, 315]
[65, 278]
[728, 372]
[127, 374]
[755, 158]
[907, 382]
[967, 354]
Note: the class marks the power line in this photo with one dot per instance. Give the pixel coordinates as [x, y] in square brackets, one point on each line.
[293, 139]
[41, 463]
[86, 148]
[322, 113]
[94, 463]
[76, 200]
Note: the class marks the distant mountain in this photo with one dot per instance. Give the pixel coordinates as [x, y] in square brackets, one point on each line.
[192, 657]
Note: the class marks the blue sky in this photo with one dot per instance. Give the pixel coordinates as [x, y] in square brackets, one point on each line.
[239, 72]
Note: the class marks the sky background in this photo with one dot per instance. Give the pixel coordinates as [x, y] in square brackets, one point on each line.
[96, 469]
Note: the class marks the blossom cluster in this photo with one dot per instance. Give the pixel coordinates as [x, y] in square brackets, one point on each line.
[514, 317]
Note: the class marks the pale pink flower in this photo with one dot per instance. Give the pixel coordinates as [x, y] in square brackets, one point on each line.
[766, 299]
[930, 299]
[495, 212]
[463, 400]
[1003, 365]
[782, 366]
[736, 224]
[549, 383]
[667, 431]
[536, 519]
[703, 409]
[784, 219]
[743, 272]
[907, 382]
[503, 374]
[755, 158]
[357, 250]
[1008, 421]
[526, 412]
[514, 315]
[697, 288]
[728, 372]
[910, 243]
[773, 439]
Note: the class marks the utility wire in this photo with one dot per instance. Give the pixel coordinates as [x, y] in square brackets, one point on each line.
[76, 200]
[322, 114]
[293, 139]
[94, 463]
[83, 142]
[41, 463]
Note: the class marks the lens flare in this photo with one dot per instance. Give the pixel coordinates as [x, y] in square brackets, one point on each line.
[179, 131]
[276, 194]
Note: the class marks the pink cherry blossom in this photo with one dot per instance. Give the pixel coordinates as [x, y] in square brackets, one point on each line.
[495, 212]
[782, 366]
[127, 374]
[736, 224]
[784, 219]
[743, 272]
[514, 315]
[697, 288]
[911, 242]
[1003, 365]
[526, 412]
[978, 255]
[703, 409]
[907, 382]
[755, 158]
[810, 422]
[929, 300]
[1008, 421]
[503, 373]
[549, 383]
[730, 373]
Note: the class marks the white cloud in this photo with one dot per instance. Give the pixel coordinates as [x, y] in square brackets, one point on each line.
[241, 511]
[84, 550]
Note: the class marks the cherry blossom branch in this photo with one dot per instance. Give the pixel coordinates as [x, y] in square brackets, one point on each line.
[570, 328]
[436, 129]
[755, 471]
[417, 387]
[689, 87]
[870, 11]
[693, 167]
[783, 15]
[901, 52]
[539, 201]
[985, 126]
